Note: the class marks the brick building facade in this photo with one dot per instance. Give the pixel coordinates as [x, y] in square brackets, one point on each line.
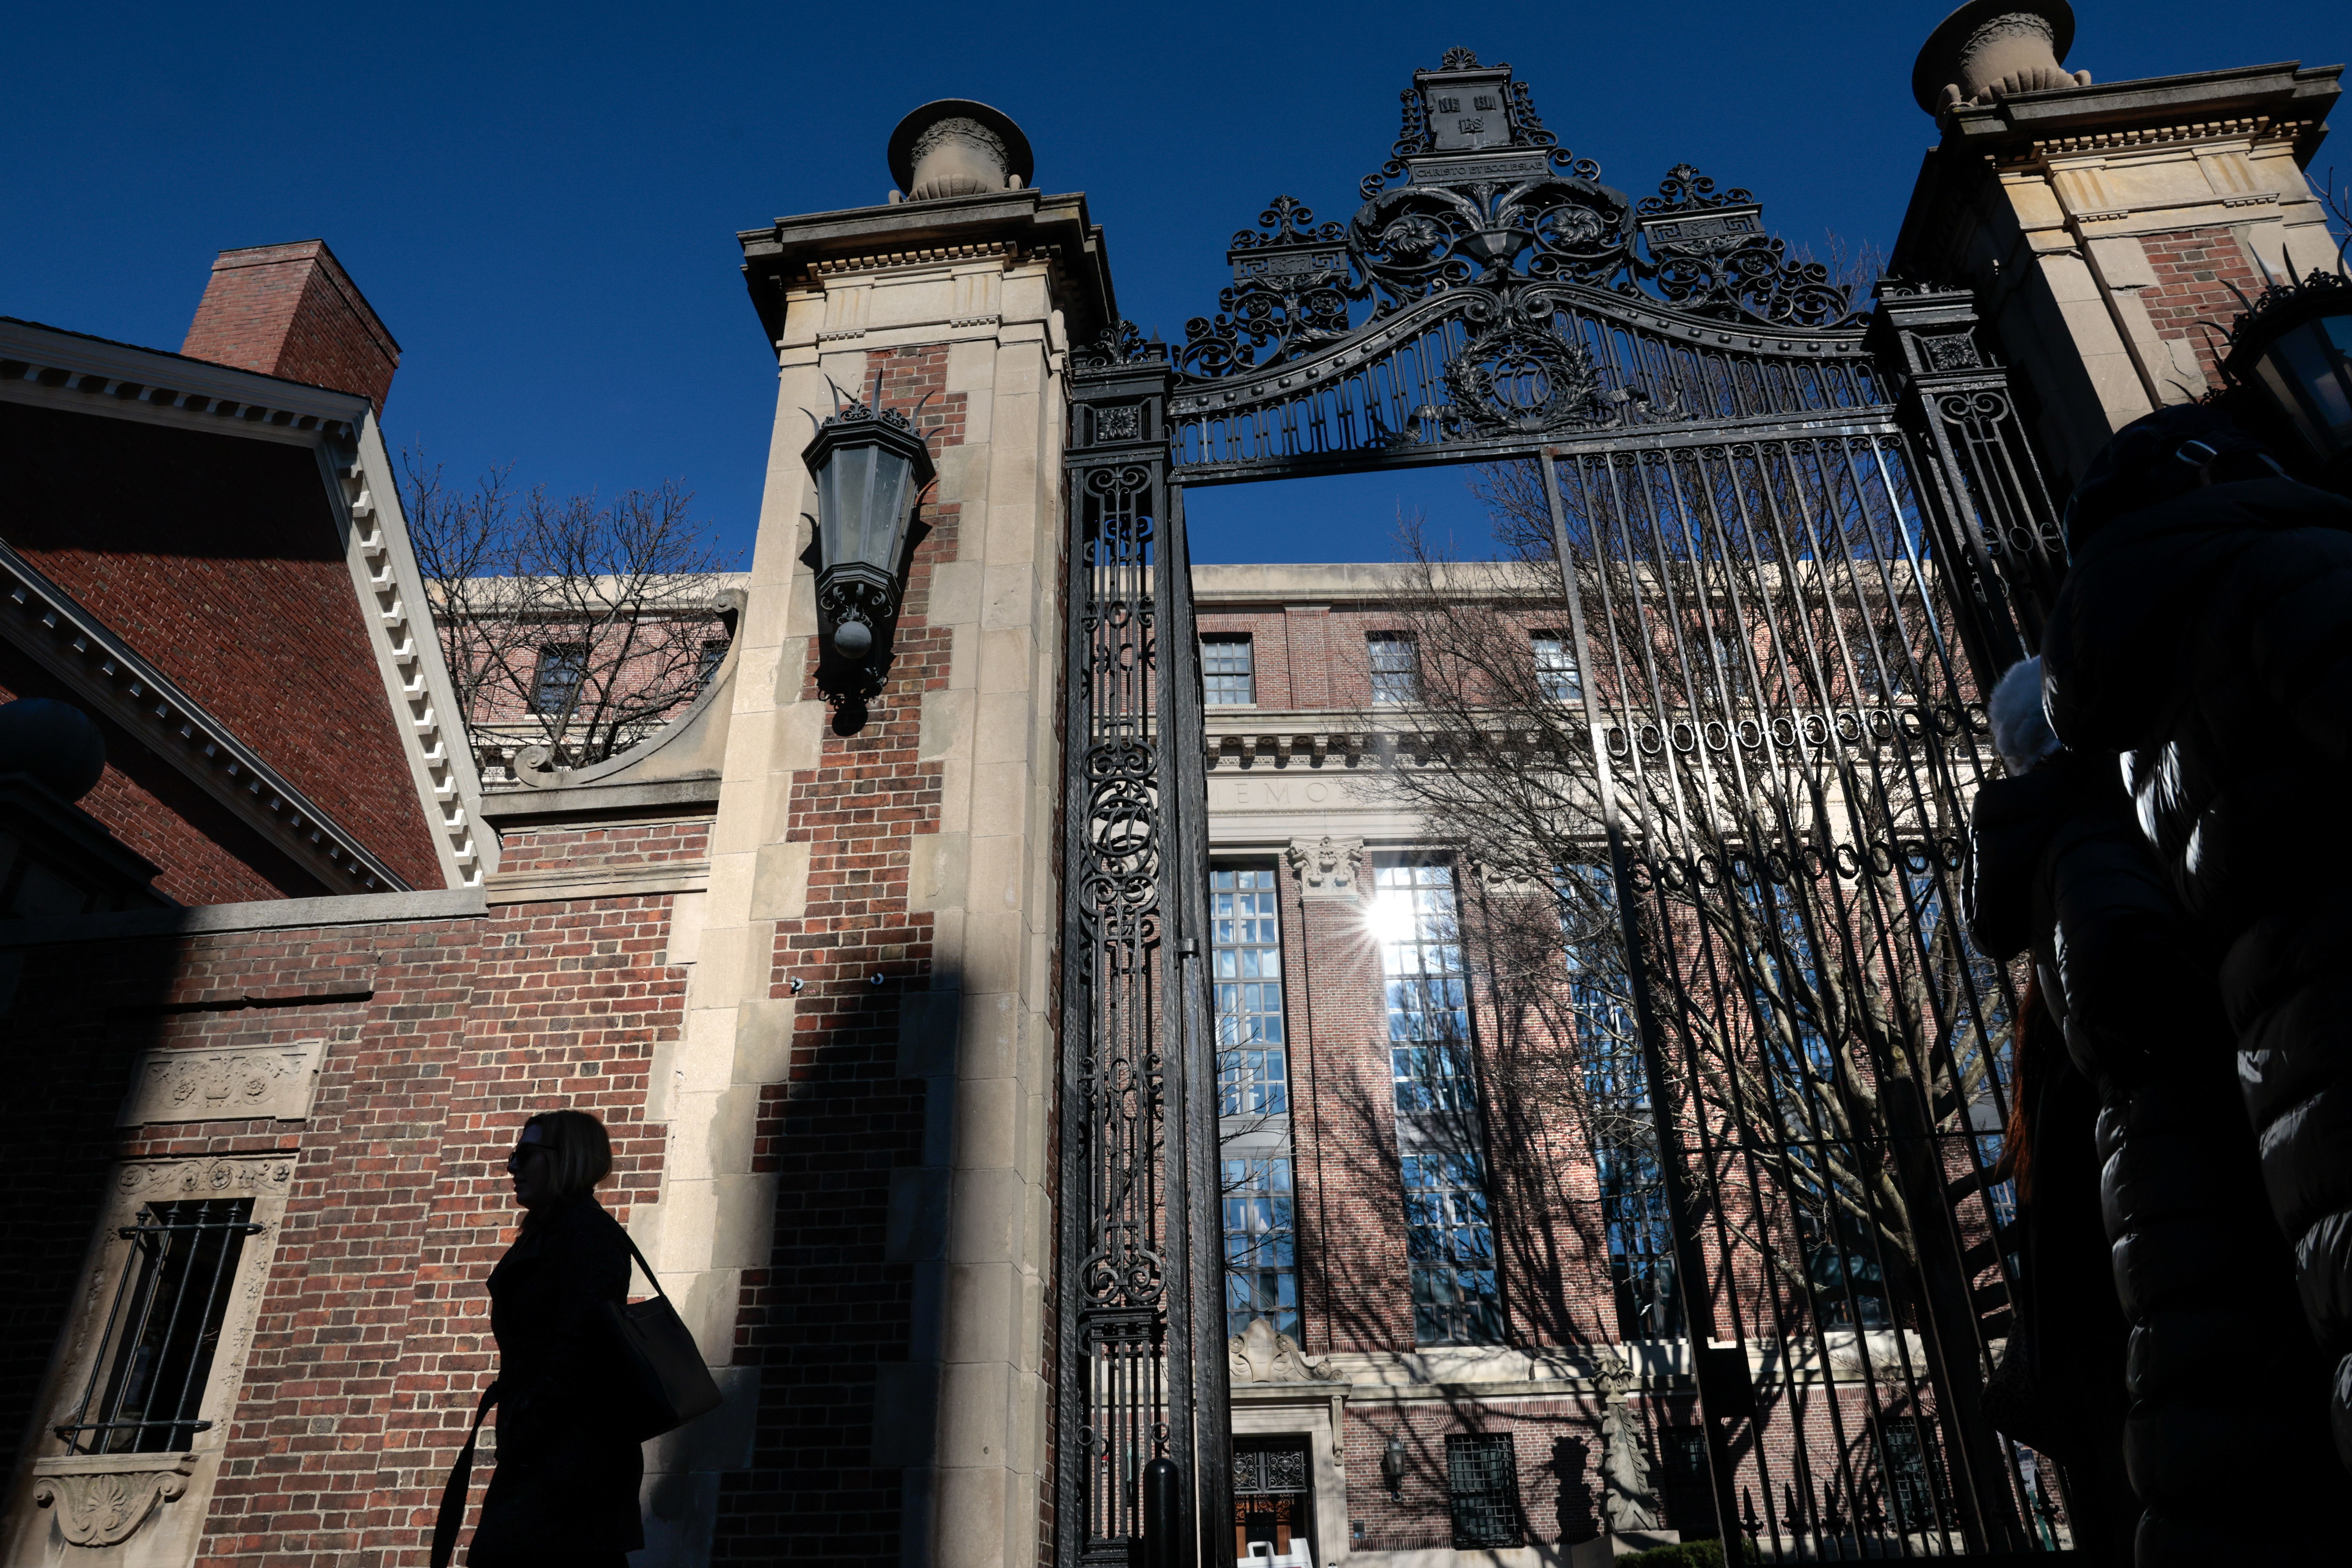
[804, 963]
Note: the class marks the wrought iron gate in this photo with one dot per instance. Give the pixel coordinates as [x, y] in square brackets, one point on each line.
[1797, 542]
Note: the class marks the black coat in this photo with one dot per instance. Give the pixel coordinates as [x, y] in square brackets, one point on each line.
[2207, 639]
[567, 1476]
[2060, 866]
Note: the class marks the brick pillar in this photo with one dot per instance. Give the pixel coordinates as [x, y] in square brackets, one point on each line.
[2099, 225]
[292, 311]
[2102, 224]
[858, 1188]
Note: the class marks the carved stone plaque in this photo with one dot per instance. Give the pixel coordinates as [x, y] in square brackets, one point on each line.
[236, 1083]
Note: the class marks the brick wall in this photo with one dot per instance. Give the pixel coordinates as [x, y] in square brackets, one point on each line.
[216, 557]
[2195, 270]
[292, 311]
[829, 1306]
[207, 855]
[442, 1036]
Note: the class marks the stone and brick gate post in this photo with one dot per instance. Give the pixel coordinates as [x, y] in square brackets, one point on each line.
[857, 1194]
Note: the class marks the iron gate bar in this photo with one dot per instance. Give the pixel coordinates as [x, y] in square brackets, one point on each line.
[1728, 414]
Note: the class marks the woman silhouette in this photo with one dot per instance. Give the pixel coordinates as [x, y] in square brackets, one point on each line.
[565, 1491]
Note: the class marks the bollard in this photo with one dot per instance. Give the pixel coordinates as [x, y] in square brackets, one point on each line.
[1165, 1544]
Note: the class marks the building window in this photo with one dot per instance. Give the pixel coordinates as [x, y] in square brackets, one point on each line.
[1228, 678]
[1396, 667]
[1914, 1476]
[562, 668]
[1261, 1259]
[1481, 1487]
[1689, 1489]
[1245, 940]
[1452, 1248]
[1428, 1001]
[151, 1366]
[1555, 675]
[1616, 1088]
[706, 665]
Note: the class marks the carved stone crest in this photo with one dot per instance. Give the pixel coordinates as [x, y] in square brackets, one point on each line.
[1328, 867]
[1261, 1356]
[102, 1499]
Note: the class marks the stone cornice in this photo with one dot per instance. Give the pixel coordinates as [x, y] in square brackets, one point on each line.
[61, 636]
[37, 363]
[2288, 94]
[1010, 224]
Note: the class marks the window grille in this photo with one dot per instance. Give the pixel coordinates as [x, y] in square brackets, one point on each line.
[1427, 998]
[1689, 1490]
[1481, 1486]
[1261, 1259]
[1245, 942]
[1914, 1474]
[1396, 667]
[1450, 1244]
[1556, 674]
[156, 1355]
[561, 668]
[1228, 673]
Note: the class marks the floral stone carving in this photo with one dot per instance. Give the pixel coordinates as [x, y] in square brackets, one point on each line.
[1328, 866]
[101, 1499]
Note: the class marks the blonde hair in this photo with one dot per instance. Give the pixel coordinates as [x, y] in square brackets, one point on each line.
[578, 1147]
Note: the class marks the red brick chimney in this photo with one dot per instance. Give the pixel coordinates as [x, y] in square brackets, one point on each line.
[292, 311]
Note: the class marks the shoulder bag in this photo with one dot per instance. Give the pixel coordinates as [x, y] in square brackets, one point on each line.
[663, 1383]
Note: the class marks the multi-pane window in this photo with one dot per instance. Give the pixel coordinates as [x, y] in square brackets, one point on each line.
[1689, 1490]
[1450, 1244]
[1916, 1476]
[1228, 678]
[1396, 667]
[149, 1375]
[1427, 996]
[1245, 941]
[1555, 675]
[562, 668]
[1260, 1261]
[1482, 1488]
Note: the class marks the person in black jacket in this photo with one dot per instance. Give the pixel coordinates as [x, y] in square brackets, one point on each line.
[565, 1491]
[2120, 1136]
[2204, 633]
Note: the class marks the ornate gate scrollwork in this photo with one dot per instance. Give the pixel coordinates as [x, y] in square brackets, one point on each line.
[1798, 543]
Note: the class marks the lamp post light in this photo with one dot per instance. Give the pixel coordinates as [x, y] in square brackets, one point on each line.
[870, 466]
[2293, 349]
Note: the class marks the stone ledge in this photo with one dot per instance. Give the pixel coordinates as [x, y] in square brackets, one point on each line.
[545, 805]
[270, 914]
[562, 884]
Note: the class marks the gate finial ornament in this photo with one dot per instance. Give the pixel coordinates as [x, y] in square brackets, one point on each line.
[1991, 49]
[955, 147]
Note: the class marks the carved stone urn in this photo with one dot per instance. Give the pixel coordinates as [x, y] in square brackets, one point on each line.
[1994, 48]
[954, 147]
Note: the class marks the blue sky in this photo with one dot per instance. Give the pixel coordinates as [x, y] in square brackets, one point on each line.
[542, 200]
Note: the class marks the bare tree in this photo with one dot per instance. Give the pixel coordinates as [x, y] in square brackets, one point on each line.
[1814, 1026]
[572, 626]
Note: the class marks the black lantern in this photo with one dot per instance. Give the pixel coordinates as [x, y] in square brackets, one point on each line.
[2293, 349]
[870, 466]
[1392, 1465]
